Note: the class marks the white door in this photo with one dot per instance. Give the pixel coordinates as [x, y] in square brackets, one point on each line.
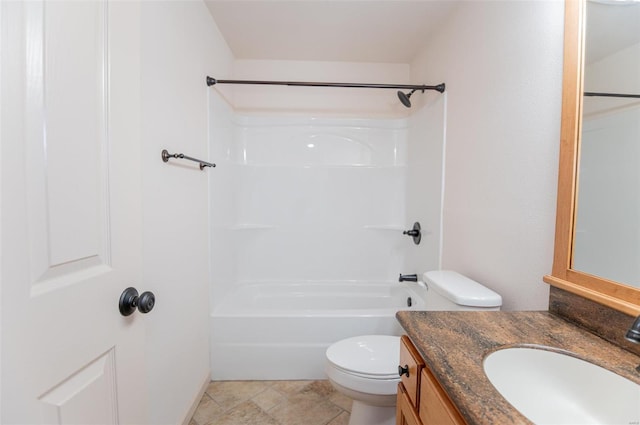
[70, 161]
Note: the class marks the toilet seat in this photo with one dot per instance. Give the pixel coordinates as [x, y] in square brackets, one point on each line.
[365, 363]
[371, 356]
[393, 376]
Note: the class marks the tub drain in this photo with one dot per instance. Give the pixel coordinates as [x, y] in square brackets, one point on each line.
[409, 302]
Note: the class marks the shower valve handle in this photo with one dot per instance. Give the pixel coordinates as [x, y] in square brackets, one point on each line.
[415, 233]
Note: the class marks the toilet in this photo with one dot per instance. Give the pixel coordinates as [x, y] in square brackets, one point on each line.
[365, 368]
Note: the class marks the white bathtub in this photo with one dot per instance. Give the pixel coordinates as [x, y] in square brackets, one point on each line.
[281, 331]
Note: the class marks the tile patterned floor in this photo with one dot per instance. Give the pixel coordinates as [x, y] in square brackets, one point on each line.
[272, 403]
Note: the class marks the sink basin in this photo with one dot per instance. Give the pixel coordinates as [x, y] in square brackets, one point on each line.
[550, 387]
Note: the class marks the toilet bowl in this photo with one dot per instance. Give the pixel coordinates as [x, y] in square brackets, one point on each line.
[365, 368]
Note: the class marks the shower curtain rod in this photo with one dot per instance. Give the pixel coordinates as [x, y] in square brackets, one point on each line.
[439, 88]
[596, 94]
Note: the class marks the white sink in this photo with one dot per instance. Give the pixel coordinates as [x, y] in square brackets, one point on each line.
[554, 388]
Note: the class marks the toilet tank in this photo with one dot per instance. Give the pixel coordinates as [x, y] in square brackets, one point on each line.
[451, 291]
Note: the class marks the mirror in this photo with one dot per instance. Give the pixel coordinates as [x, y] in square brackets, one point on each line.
[607, 228]
[597, 253]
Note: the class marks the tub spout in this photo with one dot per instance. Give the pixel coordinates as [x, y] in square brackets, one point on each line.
[408, 278]
[633, 333]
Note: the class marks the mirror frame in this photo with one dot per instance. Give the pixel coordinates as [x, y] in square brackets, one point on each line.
[613, 294]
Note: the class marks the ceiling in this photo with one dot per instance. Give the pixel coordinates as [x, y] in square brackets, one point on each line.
[389, 31]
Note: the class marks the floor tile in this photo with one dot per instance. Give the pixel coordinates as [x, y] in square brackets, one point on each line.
[231, 393]
[290, 387]
[341, 401]
[246, 413]
[341, 419]
[272, 403]
[268, 399]
[207, 410]
[322, 388]
[306, 408]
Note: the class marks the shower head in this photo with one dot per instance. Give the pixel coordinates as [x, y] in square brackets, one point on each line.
[404, 98]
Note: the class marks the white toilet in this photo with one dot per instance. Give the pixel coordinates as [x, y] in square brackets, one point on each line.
[365, 368]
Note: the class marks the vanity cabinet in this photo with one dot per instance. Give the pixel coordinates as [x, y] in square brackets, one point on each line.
[421, 399]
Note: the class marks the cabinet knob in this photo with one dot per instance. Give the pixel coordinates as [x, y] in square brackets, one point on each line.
[403, 370]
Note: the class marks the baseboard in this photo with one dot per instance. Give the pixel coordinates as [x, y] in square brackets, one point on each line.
[196, 401]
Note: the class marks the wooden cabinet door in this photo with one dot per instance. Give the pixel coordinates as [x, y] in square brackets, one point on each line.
[405, 413]
[412, 361]
[435, 406]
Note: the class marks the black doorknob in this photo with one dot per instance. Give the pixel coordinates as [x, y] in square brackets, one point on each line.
[130, 300]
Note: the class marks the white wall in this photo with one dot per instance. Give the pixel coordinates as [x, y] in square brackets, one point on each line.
[310, 199]
[222, 206]
[318, 100]
[180, 46]
[502, 63]
[425, 166]
[2, 282]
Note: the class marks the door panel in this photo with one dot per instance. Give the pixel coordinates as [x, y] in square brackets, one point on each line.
[67, 157]
[70, 212]
[87, 397]
[69, 102]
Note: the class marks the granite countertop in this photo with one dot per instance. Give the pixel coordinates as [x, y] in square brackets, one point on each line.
[454, 345]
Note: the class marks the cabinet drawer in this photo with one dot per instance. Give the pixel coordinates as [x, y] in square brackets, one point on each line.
[412, 362]
[435, 405]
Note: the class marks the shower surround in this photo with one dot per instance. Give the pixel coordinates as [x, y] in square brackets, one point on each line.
[307, 214]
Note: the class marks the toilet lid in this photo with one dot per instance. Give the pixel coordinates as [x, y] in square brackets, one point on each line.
[374, 355]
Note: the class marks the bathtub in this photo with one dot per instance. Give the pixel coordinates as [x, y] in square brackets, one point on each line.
[271, 331]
